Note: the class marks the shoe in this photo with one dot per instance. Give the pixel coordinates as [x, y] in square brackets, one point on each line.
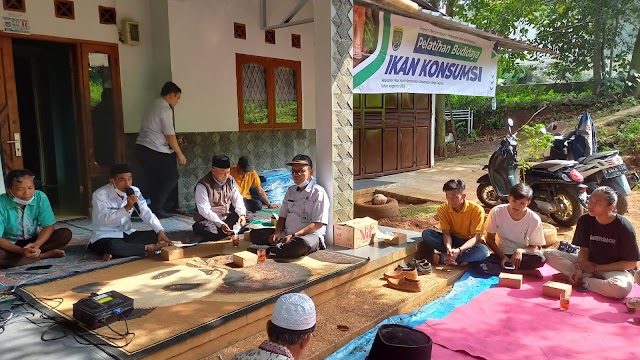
[161, 214]
[405, 284]
[568, 247]
[423, 267]
[254, 248]
[402, 272]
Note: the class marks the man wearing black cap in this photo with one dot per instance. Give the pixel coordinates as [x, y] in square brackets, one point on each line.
[111, 232]
[303, 216]
[219, 204]
[246, 177]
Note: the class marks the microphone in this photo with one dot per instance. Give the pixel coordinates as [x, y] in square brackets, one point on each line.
[129, 192]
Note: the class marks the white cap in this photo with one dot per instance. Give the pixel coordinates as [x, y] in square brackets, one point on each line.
[294, 312]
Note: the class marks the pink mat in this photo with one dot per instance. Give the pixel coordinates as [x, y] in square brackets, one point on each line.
[512, 324]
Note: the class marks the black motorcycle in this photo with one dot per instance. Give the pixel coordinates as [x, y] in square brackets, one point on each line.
[557, 187]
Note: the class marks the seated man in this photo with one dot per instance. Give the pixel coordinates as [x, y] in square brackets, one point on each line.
[219, 204]
[461, 222]
[111, 232]
[608, 248]
[303, 216]
[514, 233]
[23, 209]
[246, 177]
[290, 330]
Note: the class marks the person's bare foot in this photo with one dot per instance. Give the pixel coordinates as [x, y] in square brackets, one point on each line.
[106, 257]
[436, 258]
[56, 253]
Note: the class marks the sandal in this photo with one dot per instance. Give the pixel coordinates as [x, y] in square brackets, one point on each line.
[423, 267]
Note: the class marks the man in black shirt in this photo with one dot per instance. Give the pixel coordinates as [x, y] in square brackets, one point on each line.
[608, 249]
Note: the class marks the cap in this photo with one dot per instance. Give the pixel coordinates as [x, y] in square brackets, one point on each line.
[301, 159]
[221, 161]
[118, 169]
[244, 165]
[294, 312]
[395, 341]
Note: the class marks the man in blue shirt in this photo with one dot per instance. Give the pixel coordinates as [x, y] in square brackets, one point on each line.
[23, 211]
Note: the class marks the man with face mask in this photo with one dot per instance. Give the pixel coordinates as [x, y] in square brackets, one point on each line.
[23, 210]
[303, 217]
[111, 232]
[219, 204]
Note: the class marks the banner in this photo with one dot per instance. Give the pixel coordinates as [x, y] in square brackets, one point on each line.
[397, 54]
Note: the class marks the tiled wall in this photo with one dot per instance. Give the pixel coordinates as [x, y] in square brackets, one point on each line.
[267, 149]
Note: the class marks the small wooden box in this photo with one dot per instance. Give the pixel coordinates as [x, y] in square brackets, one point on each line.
[555, 289]
[245, 258]
[513, 281]
[397, 239]
[169, 253]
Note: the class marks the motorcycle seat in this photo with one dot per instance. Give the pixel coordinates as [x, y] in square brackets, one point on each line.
[554, 165]
[597, 156]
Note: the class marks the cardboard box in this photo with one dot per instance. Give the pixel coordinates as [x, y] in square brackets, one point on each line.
[513, 281]
[555, 289]
[355, 233]
[397, 239]
[169, 253]
[245, 258]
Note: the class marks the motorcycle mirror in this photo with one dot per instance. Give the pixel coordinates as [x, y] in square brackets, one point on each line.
[543, 130]
[510, 121]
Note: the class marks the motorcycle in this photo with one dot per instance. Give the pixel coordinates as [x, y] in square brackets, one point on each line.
[557, 187]
[598, 169]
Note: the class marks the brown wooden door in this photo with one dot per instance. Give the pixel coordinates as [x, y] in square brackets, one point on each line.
[9, 120]
[101, 108]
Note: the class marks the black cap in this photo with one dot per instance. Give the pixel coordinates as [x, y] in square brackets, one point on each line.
[244, 165]
[118, 169]
[221, 161]
[301, 159]
[400, 342]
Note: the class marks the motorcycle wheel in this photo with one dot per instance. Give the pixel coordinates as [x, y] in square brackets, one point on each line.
[570, 209]
[622, 205]
[488, 195]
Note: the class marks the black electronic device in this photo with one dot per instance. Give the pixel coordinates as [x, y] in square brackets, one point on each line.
[99, 310]
[129, 191]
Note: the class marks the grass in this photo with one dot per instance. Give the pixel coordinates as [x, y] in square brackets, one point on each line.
[420, 210]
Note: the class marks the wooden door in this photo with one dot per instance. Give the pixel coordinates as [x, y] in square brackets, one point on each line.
[9, 120]
[101, 108]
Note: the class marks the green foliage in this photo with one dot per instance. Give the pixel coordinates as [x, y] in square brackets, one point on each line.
[495, 122]
[534, 142]
[521, 97]
[256, 112]
[420, 210]
[95, 90]
[287, 112]
[475, 133]
[628, 138]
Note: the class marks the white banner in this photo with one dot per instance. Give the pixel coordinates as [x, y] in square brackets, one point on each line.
[396, 54]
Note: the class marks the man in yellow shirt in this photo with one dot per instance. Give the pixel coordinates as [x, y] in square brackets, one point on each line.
[461, 222]
[246, 177]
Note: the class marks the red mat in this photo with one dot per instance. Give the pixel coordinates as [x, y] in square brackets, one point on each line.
[512, 324]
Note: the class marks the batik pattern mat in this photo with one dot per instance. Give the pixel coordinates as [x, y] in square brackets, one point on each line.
[179, 299]
[78, 259]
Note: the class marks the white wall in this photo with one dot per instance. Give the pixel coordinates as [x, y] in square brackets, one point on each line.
[203, 52]
[135, 62]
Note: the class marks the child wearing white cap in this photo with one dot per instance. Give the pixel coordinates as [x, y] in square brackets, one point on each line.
[290, 330]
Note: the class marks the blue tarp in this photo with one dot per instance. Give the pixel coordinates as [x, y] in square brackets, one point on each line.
[462, 292]
[276, 183]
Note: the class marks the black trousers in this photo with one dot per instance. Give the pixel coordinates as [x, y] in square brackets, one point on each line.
[58, 239]
[130, 245]
[160, 177]
[529, 261]
[297, 247]
[205, 228]
[252, 205]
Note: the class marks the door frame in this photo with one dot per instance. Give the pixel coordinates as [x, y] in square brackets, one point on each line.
[81, 100]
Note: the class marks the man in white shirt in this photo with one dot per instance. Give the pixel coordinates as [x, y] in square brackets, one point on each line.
[111, 232]
[514, 233]
[157, 148]
[219, 204]
[303, 216]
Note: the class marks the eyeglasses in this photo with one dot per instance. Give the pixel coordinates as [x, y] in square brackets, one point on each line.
[298, 172]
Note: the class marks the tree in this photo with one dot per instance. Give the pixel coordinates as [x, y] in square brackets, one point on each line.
[632, 85]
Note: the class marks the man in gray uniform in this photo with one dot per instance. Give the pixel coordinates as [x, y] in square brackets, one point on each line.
[303, 216]
[157, 148]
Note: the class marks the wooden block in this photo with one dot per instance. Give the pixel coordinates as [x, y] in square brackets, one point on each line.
[513, 281]
[555, 289]
[245, 258]
[169, 253]
[399, 238]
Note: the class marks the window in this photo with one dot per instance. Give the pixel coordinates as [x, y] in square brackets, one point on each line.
[269, 93]
[107, 15]
[295, 41]
[239, 31]
[270, 37]
[14, 5]
[64, 9]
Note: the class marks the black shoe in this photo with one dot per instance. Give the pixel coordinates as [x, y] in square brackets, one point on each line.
[254, 248]
[423, 267]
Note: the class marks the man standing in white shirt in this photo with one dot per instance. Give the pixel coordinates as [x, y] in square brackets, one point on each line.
[111, 232]
[514, 233]
[219, 204]
[157, 148]
[303, 217]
